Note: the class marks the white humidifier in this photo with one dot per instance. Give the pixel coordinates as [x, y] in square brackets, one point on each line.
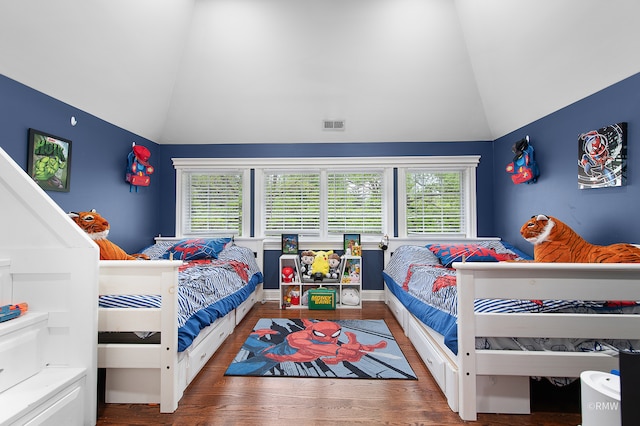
[600, 395]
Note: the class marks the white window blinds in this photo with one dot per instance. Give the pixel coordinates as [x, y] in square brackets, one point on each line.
[292, 202]
[435, 202]
[212, 202]
[325, 197]
[354, 202]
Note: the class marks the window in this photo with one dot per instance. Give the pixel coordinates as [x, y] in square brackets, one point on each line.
[355, 202]
[371, 196]
[438, 199]
[212, 202]
[434, 202]
[292, 202]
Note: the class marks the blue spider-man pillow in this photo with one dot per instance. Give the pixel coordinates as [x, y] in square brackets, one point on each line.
[197, 248]
[449, 253]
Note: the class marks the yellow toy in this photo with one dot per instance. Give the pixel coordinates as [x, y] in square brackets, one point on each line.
[320, 264]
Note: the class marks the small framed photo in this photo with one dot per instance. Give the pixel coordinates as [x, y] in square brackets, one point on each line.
[49, 161]
[289, 243]
[349, 241]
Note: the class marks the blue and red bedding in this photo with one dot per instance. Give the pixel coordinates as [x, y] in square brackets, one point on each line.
[209, 288]
[421, 279]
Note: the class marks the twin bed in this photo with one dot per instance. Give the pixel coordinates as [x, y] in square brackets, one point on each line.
[484, 322]
[161, 320]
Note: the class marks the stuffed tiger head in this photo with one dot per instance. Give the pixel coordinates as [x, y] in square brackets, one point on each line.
[554, 241]
[537, 229]
[97, 228]
[92, 223]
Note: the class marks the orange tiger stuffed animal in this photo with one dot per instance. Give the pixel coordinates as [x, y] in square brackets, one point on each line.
[554, 241]
[98, 228]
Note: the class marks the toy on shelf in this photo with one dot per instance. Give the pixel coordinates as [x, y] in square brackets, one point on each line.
[320, 265]
[334, 266]
[288, 274]
[291, 296]
[351, 271]
[306, 260]
[350, 296]
[294, 296]
[8, 312]
[354, 274]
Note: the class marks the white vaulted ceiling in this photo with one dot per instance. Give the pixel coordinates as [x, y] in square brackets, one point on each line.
[234, 71]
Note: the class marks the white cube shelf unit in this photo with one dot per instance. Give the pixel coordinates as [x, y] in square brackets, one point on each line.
[348, 284]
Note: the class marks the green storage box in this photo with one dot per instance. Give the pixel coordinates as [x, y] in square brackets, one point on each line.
[322, 298]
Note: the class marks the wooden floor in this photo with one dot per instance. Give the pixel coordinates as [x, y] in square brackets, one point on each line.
[214, 399]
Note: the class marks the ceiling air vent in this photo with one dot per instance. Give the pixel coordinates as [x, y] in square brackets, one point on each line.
[333, 125]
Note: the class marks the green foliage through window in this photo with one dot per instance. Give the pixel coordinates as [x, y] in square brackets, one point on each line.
[213, 204]
[435, 202]
[354, 202]
[292, 202]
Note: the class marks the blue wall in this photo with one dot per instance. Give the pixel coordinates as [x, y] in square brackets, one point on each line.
[601, 216]
[98, 161]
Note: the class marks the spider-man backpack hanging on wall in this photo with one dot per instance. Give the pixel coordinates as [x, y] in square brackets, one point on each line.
[524, 168]
[138, 167]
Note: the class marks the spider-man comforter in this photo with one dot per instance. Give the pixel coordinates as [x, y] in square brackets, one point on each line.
[208, 290]
[428, 290]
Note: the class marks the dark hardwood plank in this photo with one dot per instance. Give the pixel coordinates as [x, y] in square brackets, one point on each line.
[214, 399]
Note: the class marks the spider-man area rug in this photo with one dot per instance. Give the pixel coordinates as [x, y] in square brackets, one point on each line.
[348, 349]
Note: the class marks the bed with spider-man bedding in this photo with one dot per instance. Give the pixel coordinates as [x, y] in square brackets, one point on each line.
[161, 320]
[485, 319]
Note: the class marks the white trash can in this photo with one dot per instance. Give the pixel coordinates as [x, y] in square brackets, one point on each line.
[600, 396]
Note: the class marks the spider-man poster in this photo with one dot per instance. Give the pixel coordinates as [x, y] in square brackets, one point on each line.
[602, 157]
[355, 349]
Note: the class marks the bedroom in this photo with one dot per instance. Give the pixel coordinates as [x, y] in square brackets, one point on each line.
[556, 97]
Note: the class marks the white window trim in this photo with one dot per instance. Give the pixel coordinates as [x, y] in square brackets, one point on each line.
[468, 167]
[204, 168]
[467, 163]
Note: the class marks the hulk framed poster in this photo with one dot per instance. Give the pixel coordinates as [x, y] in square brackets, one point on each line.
[49, 161]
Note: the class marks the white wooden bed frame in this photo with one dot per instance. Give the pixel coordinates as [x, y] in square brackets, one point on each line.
[494, 381]
[157, 373]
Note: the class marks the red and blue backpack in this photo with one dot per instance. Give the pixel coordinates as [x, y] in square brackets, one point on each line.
[138, 167]
[523, 168]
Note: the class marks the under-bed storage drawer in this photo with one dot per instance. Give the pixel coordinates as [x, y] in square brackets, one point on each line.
[432, 359]
[397, 309]
[216, 334]
[245, 307]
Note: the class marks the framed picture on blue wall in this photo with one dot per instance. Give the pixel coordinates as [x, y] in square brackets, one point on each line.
[289, 243]
[349, 241]
[49, 161]
[602, 157]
